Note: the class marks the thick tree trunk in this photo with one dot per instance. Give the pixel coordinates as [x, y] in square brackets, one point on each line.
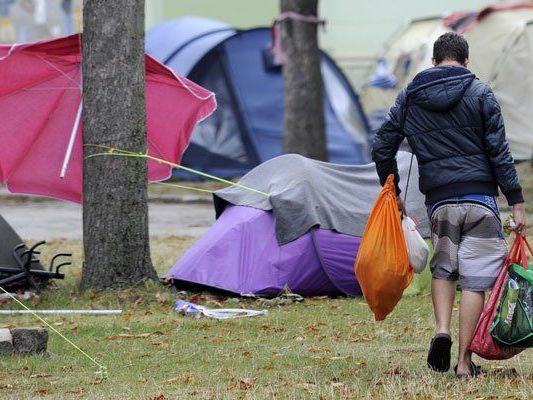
[304, 131]
[115, 214]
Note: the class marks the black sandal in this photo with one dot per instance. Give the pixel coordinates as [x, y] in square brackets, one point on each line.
[439, 354]
[475, 370]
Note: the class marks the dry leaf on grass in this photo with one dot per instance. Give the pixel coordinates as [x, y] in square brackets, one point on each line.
[163, 344]
[40, 391]
[339, 358]
[185, 378]
[247, 383]
[397, 371]
[313, 327]
[318, 349]
[76, 390]
[158, 397]
[40, 375]
[130, 336]
[502, 372]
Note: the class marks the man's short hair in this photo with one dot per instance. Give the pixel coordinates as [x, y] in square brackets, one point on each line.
[450, 46]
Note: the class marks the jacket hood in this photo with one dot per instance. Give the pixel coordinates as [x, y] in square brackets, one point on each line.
[439, 88]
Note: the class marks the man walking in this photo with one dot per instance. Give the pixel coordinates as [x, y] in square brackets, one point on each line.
[454, 126]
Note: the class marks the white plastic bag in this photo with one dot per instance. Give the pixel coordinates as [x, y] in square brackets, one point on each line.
[417, 249]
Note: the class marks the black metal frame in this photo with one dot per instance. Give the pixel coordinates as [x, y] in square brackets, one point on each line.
[22, 273]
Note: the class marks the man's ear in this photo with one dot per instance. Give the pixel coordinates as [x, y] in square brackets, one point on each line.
[433, 62]
[466, 62]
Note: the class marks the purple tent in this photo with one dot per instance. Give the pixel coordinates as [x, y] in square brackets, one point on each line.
[240, 254]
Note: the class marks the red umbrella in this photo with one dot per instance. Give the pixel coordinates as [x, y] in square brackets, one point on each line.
[40, 117]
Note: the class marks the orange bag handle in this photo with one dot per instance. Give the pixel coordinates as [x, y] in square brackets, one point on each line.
[519, 250]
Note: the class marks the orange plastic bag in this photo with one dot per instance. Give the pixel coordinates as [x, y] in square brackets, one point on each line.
[382, 265]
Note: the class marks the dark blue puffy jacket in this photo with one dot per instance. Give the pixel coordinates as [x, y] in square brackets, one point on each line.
[453, 123]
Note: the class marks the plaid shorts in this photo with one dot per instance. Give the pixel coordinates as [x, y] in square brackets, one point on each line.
[468, 244]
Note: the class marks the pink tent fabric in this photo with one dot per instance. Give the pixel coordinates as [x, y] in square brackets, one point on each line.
[40, 112]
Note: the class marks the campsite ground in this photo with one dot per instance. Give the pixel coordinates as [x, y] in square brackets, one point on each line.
[321, 348]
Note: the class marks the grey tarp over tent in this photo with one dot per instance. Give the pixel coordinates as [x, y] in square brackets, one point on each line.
[303, 193]
[302, 235]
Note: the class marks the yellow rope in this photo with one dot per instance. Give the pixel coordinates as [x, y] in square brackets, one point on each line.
[112, 151]
[102, 372]
[184, 187]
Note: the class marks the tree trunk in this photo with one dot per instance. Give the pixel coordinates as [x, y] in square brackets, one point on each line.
[115, 211]
[304, 131]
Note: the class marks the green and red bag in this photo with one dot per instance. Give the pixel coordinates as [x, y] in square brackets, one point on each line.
[483, 344]
[513, 323]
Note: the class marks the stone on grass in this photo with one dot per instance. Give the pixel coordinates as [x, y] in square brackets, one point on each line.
[6, 342]
[29, 340]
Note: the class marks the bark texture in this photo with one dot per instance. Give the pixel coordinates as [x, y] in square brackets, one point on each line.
[115, 213]
[304, 131]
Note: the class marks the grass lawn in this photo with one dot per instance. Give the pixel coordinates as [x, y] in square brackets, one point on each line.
[320, 349]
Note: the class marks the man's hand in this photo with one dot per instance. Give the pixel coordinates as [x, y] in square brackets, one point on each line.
[401, 205]
[520, 218]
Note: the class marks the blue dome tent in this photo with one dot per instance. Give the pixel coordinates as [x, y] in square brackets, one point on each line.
[247, 127]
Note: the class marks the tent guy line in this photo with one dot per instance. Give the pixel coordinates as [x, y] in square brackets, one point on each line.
[102, 369]
[112, 151]
[184, 187]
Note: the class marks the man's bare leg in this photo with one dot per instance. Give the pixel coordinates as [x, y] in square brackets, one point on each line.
[443, 295]
[469, 313]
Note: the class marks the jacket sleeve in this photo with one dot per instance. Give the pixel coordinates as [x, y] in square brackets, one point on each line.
[387, 141]
[497, 149]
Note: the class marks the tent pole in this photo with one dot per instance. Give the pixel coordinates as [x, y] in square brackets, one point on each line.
[87, 312]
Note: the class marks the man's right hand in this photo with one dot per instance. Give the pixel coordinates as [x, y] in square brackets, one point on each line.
[520, 218]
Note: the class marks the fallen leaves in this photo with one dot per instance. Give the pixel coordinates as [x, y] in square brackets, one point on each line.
[243, 383]
[185, 378]
[318, 349]
[40, 375]
[313, 327]
[247, 383]
[146, 335]
[40, 391]
[357, 338]
[396, 370]
[158, 397]
[164, 344]
[75, 390]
